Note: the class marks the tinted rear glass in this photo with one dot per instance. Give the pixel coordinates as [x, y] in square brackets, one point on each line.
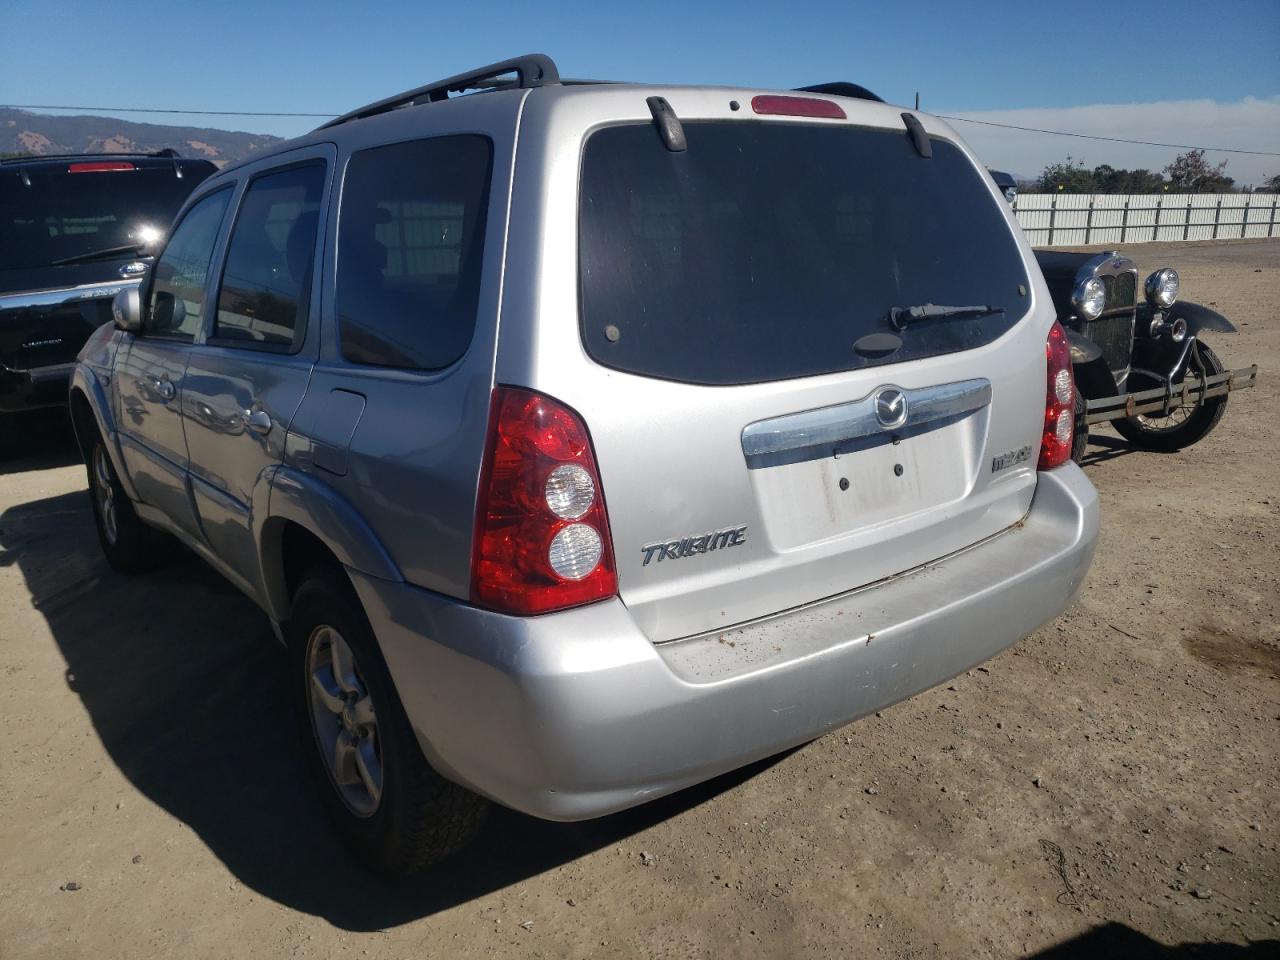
[51, 215]
[765, 250]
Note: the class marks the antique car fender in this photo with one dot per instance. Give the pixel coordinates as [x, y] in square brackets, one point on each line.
[1199, 317]
[1162, 355]
[1083, 350]
[1093, 377]
[296, 497]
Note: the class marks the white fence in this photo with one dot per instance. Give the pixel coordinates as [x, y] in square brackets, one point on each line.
[1076, 219]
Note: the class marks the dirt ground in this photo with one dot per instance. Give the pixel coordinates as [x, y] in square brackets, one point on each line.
[1108, 787]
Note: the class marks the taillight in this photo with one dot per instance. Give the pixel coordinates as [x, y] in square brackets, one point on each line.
[100, 166]
[797, 107]
[542, 534]
[1059, 401]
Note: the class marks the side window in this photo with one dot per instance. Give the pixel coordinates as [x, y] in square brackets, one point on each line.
[410, 249]
[263, 297]
[176, 300]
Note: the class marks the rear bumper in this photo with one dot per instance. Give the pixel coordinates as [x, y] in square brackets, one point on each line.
[31, 389]
[577, 714]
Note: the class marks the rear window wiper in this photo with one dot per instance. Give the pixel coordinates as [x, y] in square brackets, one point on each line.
[899, 317]
[101, 254]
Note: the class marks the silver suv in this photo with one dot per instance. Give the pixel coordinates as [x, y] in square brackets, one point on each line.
[584, 441]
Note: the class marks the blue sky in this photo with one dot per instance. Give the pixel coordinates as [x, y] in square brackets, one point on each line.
[963, 57]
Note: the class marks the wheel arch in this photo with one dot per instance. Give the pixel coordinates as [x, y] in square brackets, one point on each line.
[83, 422]
[305, 521]
[90, 411]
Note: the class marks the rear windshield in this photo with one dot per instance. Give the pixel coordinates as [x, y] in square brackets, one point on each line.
[51, 214]
[766, 250]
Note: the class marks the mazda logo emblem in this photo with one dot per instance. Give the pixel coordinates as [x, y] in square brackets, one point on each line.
[891, 407]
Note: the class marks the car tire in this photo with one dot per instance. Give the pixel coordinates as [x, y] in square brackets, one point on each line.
[395, 812]
[1080, 437]
[129, 545]
[1187, 425]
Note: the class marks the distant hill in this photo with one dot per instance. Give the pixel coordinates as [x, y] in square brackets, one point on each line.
[38, 133]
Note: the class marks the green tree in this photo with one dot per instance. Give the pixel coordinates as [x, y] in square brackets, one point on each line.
[1111, 180]
[1272, 184]
[1190, 172]
[1070, 176]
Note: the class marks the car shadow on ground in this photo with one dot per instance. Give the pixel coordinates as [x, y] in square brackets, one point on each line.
[185, 686]
[1115, 941]
[38, 440]
[1103, 447]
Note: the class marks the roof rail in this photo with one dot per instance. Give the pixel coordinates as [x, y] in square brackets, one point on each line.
[842, 88]
[531, 70]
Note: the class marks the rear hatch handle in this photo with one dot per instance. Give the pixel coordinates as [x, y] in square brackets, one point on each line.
[887, 409]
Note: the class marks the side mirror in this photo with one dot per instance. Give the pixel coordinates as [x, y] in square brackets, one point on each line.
[168, 312]
[126, 310]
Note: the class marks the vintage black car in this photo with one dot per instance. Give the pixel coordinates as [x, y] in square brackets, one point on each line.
[74, 230]
[1136, 349]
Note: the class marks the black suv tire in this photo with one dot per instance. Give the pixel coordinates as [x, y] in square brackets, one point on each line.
[419, 817]
[129, 545]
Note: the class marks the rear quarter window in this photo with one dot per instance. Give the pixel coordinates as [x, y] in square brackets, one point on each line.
[410, 250]
[766, 250]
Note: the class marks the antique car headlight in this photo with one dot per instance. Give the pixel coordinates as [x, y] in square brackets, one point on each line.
[1162, 287]
[1089, 298]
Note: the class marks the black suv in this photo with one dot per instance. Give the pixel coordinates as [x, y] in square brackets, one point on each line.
[74, 230]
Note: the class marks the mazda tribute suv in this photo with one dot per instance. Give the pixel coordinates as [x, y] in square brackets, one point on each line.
[584, 441]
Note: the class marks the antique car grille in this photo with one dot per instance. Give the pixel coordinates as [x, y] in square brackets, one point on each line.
[1114, 336]
[1113, 331]
[1121, 291]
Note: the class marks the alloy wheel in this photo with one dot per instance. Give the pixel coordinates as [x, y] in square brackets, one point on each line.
[344, 721]
[104, 494]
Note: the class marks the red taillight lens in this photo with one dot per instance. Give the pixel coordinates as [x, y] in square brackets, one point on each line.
[797, 107]
[1059, 401]
[100, 166]
[542, 535]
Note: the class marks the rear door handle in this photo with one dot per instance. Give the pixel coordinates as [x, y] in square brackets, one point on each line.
[259, 421]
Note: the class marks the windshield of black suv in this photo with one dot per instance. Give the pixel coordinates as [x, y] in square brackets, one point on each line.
[58, 212]
[768, 250]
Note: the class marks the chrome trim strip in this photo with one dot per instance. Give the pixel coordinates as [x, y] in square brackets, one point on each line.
[57, 296]
[851, 421]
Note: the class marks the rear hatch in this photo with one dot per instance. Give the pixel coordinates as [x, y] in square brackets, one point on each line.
[769, 431]
[67, 235]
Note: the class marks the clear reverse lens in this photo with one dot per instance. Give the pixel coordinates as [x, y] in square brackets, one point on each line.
[575, 551]
[1062, 385]
[1092, 299]
[570, 491]
[1062, 429]
[1162, 287]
